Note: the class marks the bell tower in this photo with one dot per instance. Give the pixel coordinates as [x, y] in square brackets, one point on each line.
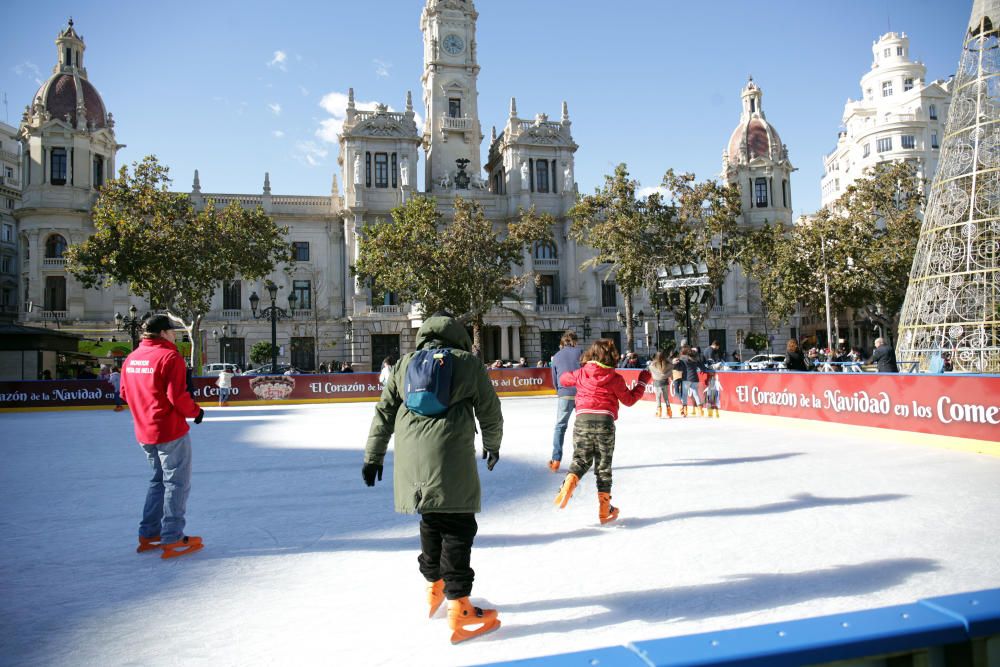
[451, 97]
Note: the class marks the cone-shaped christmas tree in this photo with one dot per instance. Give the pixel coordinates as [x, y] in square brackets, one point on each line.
[952, 302]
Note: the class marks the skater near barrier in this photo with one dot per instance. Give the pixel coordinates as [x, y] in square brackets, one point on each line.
[153, 384]
[599, 391]
[566, 360]
[225, 384]
[661, 370]
[431, 402]
[713, 390]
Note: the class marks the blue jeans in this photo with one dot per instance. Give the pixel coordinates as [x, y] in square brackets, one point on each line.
[691, 389]
[223, 395]
[166, 498]
[564, 408]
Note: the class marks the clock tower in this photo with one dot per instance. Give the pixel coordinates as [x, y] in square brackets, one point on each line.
[451, 99]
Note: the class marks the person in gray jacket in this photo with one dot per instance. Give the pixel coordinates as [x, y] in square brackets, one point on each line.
[566, 360]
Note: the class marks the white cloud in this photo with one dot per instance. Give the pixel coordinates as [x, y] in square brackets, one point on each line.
[278, 134]
[29, 70]
[275, 108]
[310, 153]
[279, 61]
[335, 104]
[642, 193]
[381, 68]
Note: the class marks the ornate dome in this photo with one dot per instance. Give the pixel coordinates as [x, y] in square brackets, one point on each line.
[61, 94]
[752, 139]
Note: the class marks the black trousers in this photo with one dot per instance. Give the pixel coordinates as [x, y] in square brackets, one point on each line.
[446, 551]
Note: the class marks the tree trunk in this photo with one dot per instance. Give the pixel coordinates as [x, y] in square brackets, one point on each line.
[195, 334]
[629, 331]
[477, 337]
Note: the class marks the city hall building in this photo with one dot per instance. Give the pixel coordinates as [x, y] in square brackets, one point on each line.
[69, 147]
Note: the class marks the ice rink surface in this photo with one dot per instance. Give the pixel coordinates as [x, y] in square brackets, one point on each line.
[724, 523]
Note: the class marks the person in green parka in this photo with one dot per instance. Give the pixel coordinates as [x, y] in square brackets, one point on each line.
[434, 472]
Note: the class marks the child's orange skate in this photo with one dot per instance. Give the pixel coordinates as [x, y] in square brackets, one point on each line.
[435, 596]
[566, 490]
[607, 512]
[468, 622]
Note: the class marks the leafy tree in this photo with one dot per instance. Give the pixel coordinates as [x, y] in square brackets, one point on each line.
[463, 267]
[757, 341]
[863, 243]
[261, 353]
[629, 234]
[708, 213]
[156, 243]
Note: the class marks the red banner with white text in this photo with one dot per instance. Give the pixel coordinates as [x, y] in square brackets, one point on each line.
[961, 406]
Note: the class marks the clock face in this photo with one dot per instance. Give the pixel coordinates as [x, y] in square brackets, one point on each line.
[453, 44]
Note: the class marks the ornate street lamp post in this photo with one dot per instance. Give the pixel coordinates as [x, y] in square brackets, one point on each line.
[130, 323]
[274, 313]
[637, 320]
[684, 278]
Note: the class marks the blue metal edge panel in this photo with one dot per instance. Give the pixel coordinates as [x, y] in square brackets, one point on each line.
[980, 610]
[614, 656]
[822, 639]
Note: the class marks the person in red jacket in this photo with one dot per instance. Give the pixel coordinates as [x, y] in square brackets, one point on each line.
[154, 386]
[599, 390]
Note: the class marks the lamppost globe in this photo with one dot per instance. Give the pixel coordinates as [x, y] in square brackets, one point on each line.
[272, 289]
[254, 302]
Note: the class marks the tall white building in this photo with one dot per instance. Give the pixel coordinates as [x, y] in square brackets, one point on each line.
[10, 197]
[900, 116]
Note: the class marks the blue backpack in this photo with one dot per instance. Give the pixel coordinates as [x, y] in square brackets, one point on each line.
[428, 382]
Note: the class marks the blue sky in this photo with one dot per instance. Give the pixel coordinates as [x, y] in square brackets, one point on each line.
[235, 89]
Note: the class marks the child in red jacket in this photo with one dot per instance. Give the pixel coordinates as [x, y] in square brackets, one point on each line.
[599, 389]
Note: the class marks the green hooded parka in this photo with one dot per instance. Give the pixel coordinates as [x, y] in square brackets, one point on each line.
[435, 457]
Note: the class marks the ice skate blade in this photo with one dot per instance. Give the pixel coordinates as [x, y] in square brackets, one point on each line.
[147, 544]
[461, 634]
[188, 545]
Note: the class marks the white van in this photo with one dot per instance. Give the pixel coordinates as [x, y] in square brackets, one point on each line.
[214, 369]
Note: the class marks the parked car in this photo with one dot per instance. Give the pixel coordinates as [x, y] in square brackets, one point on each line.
[765, 362]
[214, 369]
[266, 370]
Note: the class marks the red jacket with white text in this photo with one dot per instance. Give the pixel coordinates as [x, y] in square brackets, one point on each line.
[599, 389]
[155, 387]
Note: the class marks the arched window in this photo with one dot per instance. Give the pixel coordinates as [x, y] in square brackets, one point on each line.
[546, 250]
[55, 246]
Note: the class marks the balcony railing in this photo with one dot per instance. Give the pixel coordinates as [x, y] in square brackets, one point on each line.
[232, 314]
[385, 310]
[553, 308]
[54, 314]
[10, 181]
[449, 123]
[53, 262]
[609, 310]
[547, 262]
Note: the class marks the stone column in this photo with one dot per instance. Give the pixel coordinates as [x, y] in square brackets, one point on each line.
[36, 283]
[504, 342]
[572, 270]
[529, 267]
[515, 339]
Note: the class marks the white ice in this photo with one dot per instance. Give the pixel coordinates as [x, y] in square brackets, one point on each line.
[724, 523]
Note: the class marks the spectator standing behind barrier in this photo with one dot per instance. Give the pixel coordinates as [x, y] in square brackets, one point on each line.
[435, 469]
[386, 371]
[566, 360]
[154, 385]
[884, 357]
[716, 355]
[794, 361]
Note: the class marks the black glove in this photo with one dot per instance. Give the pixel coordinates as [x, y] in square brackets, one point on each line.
[369, 471]
[201, 415]
[491, 458]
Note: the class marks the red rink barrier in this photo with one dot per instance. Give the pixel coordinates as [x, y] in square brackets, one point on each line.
[53, 394]
[960, 406]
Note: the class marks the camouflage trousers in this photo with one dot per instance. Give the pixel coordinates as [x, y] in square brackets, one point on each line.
[594, 445]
